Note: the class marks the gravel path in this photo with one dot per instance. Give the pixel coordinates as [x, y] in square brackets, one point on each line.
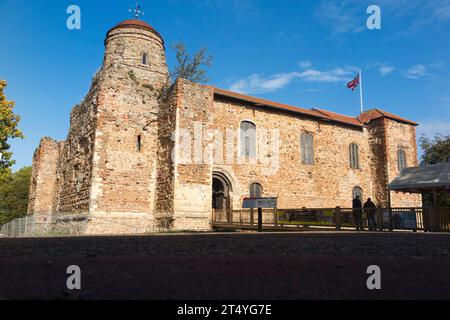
[232, 244]
[229, 266]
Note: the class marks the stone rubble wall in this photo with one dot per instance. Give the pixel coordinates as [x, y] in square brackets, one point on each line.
[379, 170]
[326, 184]
[126, 144]
[193, 181]
[43, 187]
[75, 166]
[120, 171]
[401, 136]
[164, 211]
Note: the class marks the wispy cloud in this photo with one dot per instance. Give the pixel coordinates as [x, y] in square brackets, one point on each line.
[386, 69]
[349, 16]
[305, 64]
[430, 128]
[240, 9]
[257, 84]
[341, 16]
[442, 11]
[383, 68]
[416, 72]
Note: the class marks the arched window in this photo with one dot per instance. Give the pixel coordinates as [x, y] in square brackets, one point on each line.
[145, 58]
[248, 139]
[255, 190]
[358, 192]
[401, 159]
[307, 148]
[354, 156]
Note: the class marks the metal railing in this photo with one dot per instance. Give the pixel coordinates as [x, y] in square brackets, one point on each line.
[392, 219]
[411, 219]
[39, 226]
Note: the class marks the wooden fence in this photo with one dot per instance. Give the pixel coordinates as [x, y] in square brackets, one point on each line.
[379, 219]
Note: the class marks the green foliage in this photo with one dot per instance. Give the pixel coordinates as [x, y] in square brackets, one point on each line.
[14, 192]
[436, 150]
[8, 127]
[190, 68]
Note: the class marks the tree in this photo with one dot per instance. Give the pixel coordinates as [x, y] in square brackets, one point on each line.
[436, 150]
[8, 128]
[14, 193]
[190, 68]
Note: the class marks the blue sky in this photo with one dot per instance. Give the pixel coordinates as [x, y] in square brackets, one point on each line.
[299, 52]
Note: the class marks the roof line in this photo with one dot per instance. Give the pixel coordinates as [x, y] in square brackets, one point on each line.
[315, 113]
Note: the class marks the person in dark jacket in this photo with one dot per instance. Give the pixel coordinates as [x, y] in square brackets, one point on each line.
[370, 210]
[357, 213]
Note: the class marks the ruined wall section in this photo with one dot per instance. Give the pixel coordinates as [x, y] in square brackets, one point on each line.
[193, 175]
[166, 135]
[44, 181]
[75, 167]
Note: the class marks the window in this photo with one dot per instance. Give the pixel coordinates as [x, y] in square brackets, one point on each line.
[139, 143]
[358, 192]
[255, 190]
[144, 58]
[401, 160]
[354, 156]
[307, 148]
[248, 139]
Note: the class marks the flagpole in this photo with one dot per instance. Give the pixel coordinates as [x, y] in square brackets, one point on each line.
[361, 91]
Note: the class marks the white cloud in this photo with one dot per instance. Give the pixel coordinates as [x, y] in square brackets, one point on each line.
[341, 16]
[385, 69]
[442, 10]
[305, 64]
[349, 16]
[416, 72]
[430, 128]
[258, 84]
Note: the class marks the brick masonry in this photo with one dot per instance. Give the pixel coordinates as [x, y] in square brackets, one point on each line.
[121, 167]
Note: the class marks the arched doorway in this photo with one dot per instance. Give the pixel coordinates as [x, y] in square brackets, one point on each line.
[221, 188]
[358, 192]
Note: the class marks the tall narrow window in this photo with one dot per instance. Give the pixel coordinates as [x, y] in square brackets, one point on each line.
[401, 159]
[307, 148]
[255, 190]
[139, 143]
[248, 139]
[144, 58]
[354, 156]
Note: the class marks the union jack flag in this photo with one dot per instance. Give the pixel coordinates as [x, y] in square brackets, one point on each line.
[354, 83]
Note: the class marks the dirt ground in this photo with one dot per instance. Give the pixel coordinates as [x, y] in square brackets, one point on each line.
[228, 266]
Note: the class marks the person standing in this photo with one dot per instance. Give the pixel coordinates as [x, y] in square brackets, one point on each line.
[370, 210]
[357, 213]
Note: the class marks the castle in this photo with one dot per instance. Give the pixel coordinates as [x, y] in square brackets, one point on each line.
[138, 154]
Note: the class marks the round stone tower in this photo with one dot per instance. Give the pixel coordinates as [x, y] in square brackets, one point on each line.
[127, 109]
[136, 44]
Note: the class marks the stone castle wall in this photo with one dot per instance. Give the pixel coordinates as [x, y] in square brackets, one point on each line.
[327, 183]
[125, 156]
[44, 183]
[75, 165]
[125, 167]
[193, 179]
[401, 136]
